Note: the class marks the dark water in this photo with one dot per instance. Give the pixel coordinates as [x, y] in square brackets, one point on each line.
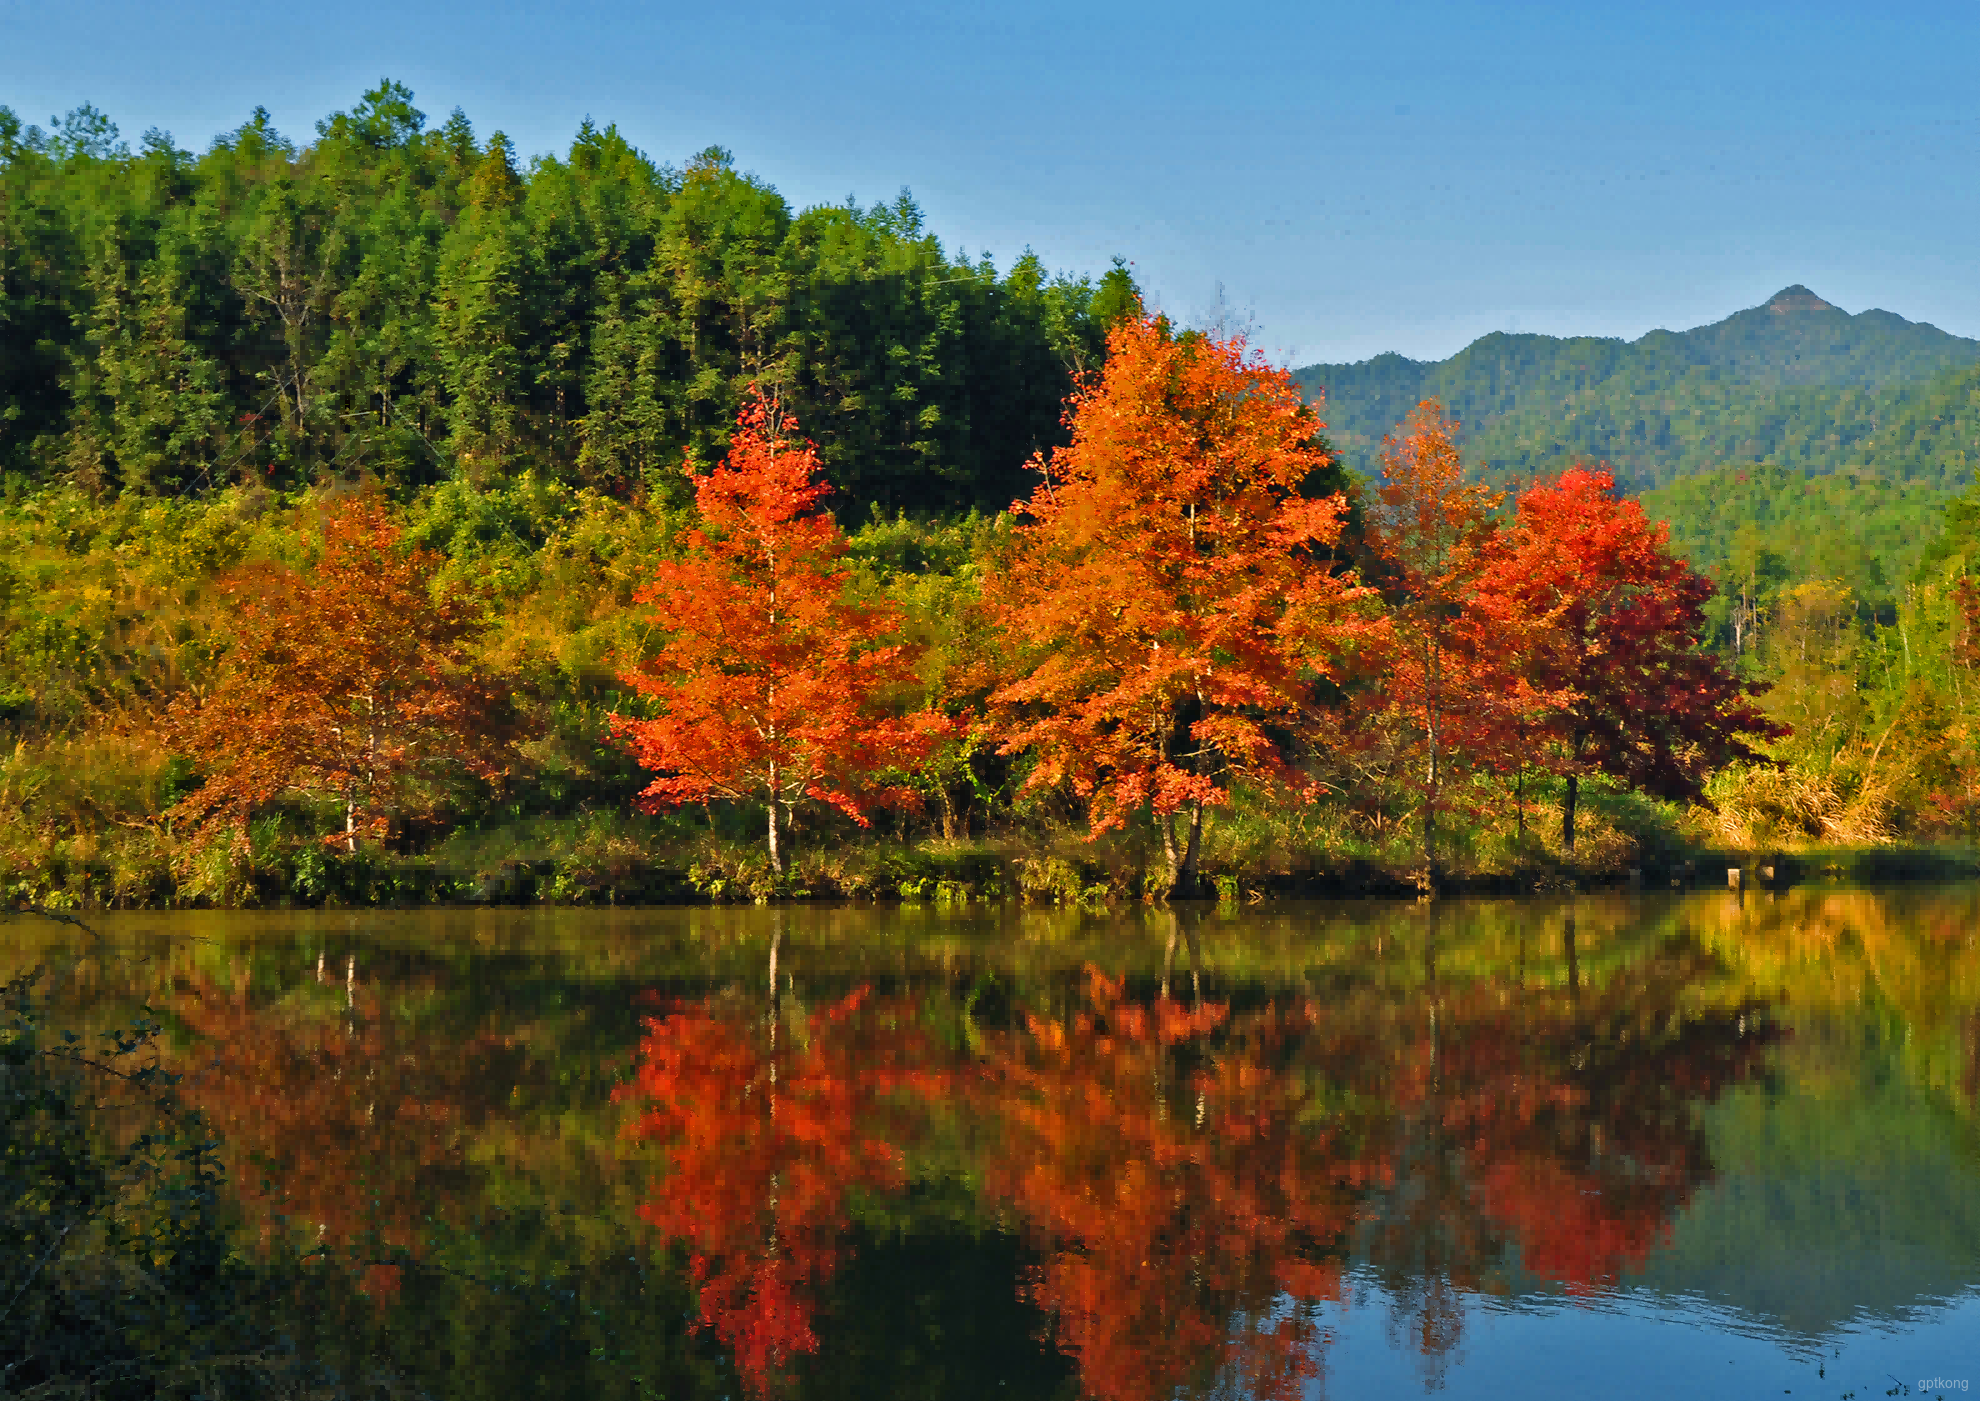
[1620, 1147]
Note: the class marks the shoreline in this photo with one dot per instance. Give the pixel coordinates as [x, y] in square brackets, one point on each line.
[987, 874]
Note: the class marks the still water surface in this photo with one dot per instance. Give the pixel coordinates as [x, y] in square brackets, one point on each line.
[1621, 1146]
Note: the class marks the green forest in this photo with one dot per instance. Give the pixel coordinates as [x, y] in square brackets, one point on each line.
[413, 303]
[219, 370]
[1796, 383]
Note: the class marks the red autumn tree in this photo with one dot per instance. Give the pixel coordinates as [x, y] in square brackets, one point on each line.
[1446, 690]
[353, 681]
[1168, 585]
[1643, 702]
[773, 684]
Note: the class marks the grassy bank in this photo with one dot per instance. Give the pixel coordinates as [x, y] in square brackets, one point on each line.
[616, 856]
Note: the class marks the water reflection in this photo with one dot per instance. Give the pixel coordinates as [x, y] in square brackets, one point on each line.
[1191, 1176]
[1035, 1153]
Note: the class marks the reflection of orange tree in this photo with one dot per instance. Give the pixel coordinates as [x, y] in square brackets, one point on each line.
[1187, 1178]
[1175, 1196]
[770, 1125]
[346, 1124]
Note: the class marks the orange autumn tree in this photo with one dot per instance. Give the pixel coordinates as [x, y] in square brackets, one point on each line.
[353, 682]
[1639, 697]
[774, 684]
[1167, 586]
[1446, 690]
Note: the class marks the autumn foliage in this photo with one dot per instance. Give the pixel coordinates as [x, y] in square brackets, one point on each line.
[1637, 695]
[774, 684]
[1170, 586]
[352, 682]
[1447, 695]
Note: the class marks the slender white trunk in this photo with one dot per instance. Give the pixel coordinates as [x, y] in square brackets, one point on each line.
[776, 851]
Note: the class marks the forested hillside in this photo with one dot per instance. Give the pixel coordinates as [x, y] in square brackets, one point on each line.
[1796, 382]
[385, 517]
[414, 301]
[1760, 526]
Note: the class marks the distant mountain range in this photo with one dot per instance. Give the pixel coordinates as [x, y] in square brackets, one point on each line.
[1795, 381]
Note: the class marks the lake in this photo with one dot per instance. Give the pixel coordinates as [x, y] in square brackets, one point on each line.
[1626, 1145]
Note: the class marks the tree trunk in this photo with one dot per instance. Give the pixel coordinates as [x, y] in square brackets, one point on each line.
[1433, 682]
[1182, 853]
[1430, 807]
[1567, 812]
[776, 850]
[1186, 882]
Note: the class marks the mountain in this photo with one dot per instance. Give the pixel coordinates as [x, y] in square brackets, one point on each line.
[1796, 381]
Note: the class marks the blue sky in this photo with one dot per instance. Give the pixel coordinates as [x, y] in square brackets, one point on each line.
[1358, 178]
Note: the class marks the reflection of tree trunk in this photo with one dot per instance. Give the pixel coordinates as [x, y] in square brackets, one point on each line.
[1970, 1032]
[1573, 968]
[776, 942]
[1183, 928]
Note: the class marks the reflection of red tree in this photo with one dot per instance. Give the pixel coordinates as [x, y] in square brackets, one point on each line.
[770, 1126]
[1571, 1121]
[1174, 1196]
[1187, 1177]
[1572, 1227]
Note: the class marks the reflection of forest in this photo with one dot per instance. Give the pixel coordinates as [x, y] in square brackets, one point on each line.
[898, 1191]
[1849, 1185]
[1191, 1175]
